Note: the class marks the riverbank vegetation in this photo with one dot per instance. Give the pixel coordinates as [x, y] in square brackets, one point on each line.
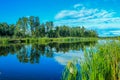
[47, 40]
[31, 27]
[99, 63]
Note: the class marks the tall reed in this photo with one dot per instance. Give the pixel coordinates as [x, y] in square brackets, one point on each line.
[99, 63]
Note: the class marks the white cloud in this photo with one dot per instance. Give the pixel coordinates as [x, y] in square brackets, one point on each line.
[88, 17]
[63, 59]
[116, 32]
[84, 14]
[64, 13]
[78, 5]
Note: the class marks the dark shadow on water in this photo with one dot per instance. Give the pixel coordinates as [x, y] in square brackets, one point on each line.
[31, 53]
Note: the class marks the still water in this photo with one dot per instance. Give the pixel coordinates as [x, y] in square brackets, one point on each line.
[36, 61]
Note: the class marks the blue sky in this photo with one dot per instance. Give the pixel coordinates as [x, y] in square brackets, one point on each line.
[100, 15]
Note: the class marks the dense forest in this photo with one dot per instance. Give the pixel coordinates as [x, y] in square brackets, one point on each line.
[31, 27]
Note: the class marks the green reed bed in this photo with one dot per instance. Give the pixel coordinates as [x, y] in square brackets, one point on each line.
[99, 63]
[4, 40]
[46, 40]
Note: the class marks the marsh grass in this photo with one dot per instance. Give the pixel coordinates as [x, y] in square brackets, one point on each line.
[46, 40]
[70, 72]
[99, 63]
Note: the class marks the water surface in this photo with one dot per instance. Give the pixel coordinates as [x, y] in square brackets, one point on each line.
[36, 61]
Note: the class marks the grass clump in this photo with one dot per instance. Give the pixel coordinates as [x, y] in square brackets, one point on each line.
[70, 72]
[100, 63]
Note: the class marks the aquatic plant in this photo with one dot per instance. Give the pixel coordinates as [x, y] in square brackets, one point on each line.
[70, 72]
[99, 63]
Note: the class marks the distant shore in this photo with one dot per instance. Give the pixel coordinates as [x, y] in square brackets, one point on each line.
[46, 40]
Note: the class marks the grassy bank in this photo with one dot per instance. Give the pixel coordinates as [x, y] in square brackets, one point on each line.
[46, 40]
[99, 63]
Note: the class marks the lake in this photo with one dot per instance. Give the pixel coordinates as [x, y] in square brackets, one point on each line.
[38, 61]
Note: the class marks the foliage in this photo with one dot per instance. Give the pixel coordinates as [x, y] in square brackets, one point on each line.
[100, 63]
[31, 27]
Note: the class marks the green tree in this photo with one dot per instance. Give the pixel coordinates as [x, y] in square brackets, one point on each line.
[42, 30]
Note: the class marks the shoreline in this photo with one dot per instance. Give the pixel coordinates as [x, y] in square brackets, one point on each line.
[46, 40]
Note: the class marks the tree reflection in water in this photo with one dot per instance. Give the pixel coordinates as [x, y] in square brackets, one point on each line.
[31, 53]
[9, 49]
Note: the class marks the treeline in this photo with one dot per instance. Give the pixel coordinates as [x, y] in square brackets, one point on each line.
[31, 27]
